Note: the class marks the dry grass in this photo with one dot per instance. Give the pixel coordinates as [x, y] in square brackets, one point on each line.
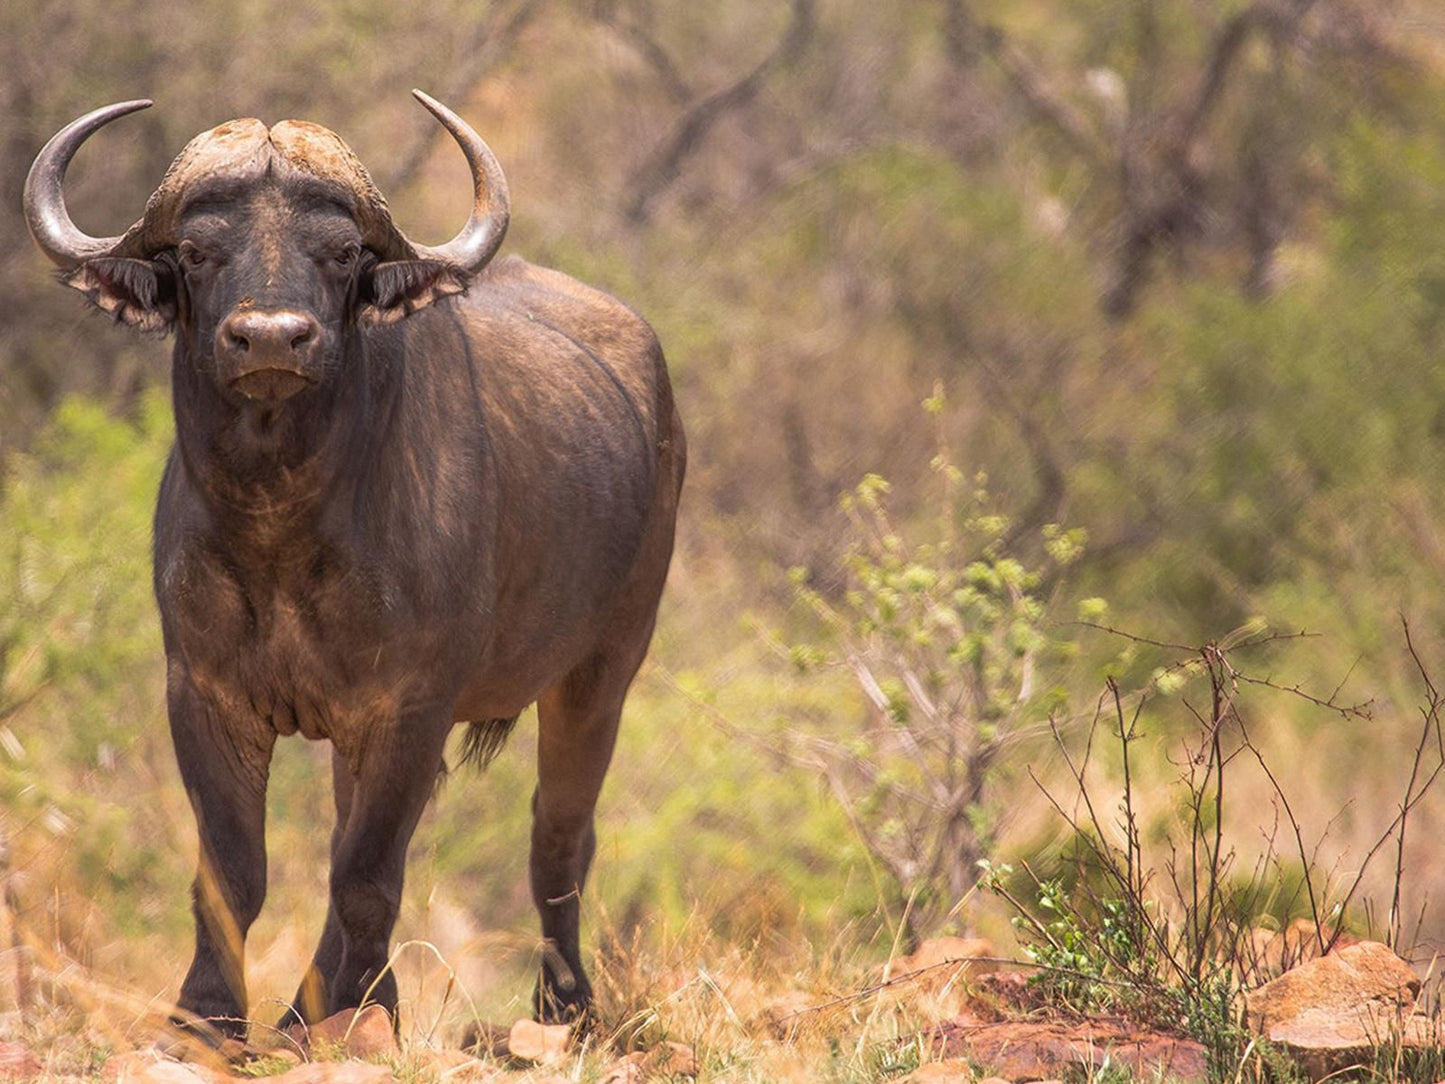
[759, 1012]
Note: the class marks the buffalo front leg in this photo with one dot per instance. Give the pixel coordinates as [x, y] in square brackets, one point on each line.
[224, 762]
[309, 1005]
[393, 781]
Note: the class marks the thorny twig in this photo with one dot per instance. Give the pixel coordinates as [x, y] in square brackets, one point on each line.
[1215, 941]
[1430, 723]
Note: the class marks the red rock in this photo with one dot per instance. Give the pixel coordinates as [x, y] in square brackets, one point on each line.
[673, 1059]
[454, 1066]
[531, 1041]
[951, 1071]
[337, 1072]
[666, 1061]
[17, 1062]
[1334, 1011]
[152, 1067]
[367, 1034]
[1364, 974]
[1039, 1050]
[196, 1052]
[627, 1070]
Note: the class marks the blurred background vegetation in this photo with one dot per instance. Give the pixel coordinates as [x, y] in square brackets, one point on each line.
[1167, 271]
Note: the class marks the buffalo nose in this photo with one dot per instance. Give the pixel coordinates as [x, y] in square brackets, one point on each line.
[269, 354]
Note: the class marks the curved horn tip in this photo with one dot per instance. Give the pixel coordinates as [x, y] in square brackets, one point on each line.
[434, 107]
[115, 111]
[491, 204]
[44, 201]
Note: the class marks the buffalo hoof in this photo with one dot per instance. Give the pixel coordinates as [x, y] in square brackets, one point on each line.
[215, 1032]
[216, 1042]
[309, 1004]
[551, 1004]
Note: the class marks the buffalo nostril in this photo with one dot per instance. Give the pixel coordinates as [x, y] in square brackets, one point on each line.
[301, 339]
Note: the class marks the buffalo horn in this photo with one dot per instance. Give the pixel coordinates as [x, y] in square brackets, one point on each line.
[480, 238]
[45, 213]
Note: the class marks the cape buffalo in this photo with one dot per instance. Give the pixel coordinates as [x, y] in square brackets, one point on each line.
[410, 487]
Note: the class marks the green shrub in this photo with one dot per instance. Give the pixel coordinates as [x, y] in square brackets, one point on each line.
[947, 634]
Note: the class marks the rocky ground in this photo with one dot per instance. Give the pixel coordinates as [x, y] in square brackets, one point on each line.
[1355, 1012]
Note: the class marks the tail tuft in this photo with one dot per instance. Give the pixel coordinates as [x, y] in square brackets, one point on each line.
[484, 740]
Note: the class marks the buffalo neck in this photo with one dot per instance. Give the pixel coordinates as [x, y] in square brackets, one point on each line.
[272, 473]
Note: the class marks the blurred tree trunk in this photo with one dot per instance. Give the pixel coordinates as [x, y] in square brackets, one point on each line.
[1161, 163]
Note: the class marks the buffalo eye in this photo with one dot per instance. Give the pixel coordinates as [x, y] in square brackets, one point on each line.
[191, 256]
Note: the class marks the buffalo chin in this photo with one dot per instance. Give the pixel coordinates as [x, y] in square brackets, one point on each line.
[267, 387]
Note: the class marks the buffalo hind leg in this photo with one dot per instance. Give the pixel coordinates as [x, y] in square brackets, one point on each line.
[577, 728]
[393, 783]
[309, 1005]
[578, 721]
[224, 769]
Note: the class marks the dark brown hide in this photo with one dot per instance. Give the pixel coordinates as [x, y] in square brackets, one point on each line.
[464, 505]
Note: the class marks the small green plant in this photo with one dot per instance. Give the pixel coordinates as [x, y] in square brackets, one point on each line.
[946, 633]
[1079, 955]
[1105, 1073]
[265, 1065]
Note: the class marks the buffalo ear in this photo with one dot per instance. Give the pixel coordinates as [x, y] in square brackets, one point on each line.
[394, 290]
[141, 293]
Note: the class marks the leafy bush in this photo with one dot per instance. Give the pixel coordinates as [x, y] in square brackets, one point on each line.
[946, 633]
[81, 722]
[78, 630]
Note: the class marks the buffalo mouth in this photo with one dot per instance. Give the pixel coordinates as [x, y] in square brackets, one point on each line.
[270, 385]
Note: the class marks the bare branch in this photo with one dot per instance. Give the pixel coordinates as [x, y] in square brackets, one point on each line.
[664, 167]
[636, 34]
[1347, 711]
[966, 37]
[1131, 636]
[1161, 184]
[1224, 53]
[492, 40]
